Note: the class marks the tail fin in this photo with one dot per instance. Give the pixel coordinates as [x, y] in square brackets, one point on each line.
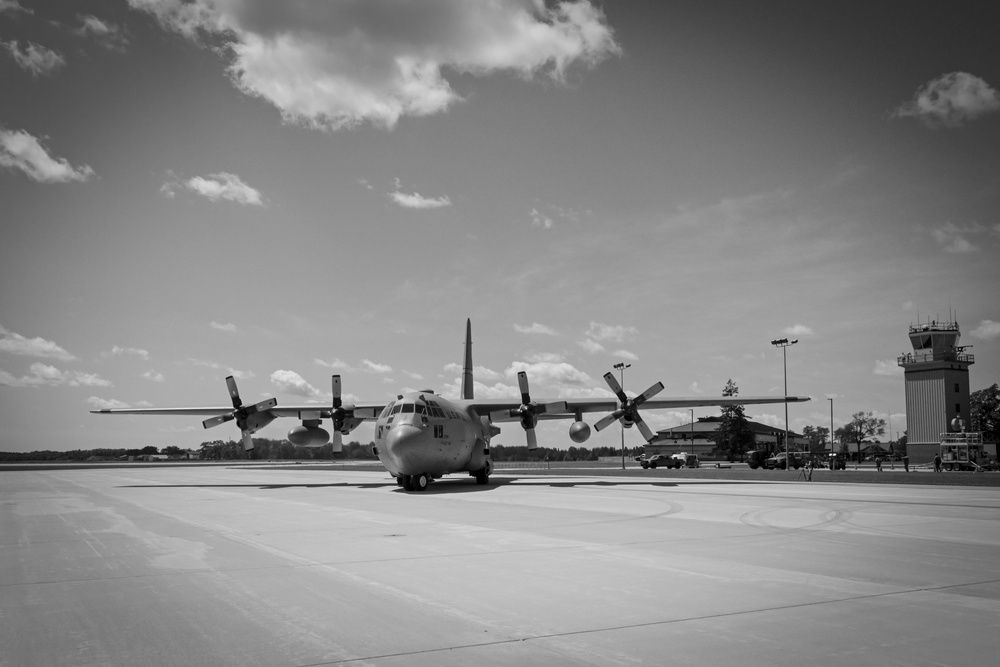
[467, 368]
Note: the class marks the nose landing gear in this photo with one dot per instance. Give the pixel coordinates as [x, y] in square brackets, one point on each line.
[414, 482]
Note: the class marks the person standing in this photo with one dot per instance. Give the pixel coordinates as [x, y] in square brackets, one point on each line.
[937, 462]
[906, 463]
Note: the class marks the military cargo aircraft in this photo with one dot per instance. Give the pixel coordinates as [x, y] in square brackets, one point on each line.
[421, 436]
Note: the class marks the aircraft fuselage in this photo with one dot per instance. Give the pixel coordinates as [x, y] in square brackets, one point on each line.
[423, 433]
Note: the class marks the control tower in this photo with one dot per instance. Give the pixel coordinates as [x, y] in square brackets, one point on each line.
[936, 376]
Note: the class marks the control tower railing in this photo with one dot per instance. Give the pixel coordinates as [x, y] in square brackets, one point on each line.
[922, 357]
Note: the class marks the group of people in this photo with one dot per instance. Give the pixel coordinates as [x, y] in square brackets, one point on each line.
[906, 463]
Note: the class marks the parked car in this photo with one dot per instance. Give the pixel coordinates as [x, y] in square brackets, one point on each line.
[686, 459]
[660, 460]
[778, 461]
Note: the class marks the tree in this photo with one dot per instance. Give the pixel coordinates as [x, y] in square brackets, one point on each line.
[817, 437]
[733, 436]
[985, 408]
[862, 425]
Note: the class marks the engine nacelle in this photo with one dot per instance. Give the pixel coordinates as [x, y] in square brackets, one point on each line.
[308, 436]
[579, 431]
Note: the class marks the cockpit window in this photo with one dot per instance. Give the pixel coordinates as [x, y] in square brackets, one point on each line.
[396, 408]
[407, 407]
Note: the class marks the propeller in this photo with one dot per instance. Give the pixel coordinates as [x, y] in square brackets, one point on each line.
[628, 413]
[339, 413]
[249, 418]
[528, 411]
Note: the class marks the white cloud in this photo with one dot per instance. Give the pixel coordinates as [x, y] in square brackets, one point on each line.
[336, 364]
[117, 351]
[950, 101]
[955, 239]
[291, 382]
[34, 58]
[14, 7]
[797, 330]
[337, 64]
[416, 200]
[228, 327]
[592, 346]
[153, 376]
[20, 150]
[539, 219]
[214, 187]
[987, 330]
[40, 374]
[14, 343]
[109, 35]
[555, 379]
[106, 403]
[887, 368]
[614, 333]
[373, 367]
[625, 354]
[535, 328]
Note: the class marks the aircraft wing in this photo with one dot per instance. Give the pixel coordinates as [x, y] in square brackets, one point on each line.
[363, 411]
[495, 407]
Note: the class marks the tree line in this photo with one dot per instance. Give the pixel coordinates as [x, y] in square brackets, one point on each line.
[268, 449]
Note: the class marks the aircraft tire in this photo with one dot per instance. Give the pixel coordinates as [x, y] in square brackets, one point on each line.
[482, 477]
[407, 482]
[420, 482]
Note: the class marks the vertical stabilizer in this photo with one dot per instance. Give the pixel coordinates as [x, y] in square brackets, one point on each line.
[467, 366]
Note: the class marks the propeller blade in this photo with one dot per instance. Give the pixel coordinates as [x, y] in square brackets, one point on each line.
[646, 433]
[608, 420]
[234, 393]
[609, 377]
[247, 441]
[522, 382]
[532, 438]
[335, 381]
[338, 441]
[264, 406]
[215, 421]
[648, 394]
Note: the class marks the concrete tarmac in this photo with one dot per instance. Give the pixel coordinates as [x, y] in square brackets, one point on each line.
[297, 566]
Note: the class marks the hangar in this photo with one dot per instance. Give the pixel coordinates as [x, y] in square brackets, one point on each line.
[696, 438]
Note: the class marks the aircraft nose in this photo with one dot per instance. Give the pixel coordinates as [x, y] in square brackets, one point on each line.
[402, 446]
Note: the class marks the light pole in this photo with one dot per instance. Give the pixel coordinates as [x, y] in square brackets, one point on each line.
[691, 410]
[620, 367]
[784, 344]
[831, 426]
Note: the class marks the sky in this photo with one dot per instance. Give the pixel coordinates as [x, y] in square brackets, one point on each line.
[284, 191]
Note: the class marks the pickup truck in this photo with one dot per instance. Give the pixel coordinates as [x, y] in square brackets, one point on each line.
[677, 460]
[778, 461]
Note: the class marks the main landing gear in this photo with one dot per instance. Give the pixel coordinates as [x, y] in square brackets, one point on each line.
[414, 482]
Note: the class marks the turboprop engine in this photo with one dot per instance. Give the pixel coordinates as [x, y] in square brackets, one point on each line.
[308, 434]
[579, 431]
